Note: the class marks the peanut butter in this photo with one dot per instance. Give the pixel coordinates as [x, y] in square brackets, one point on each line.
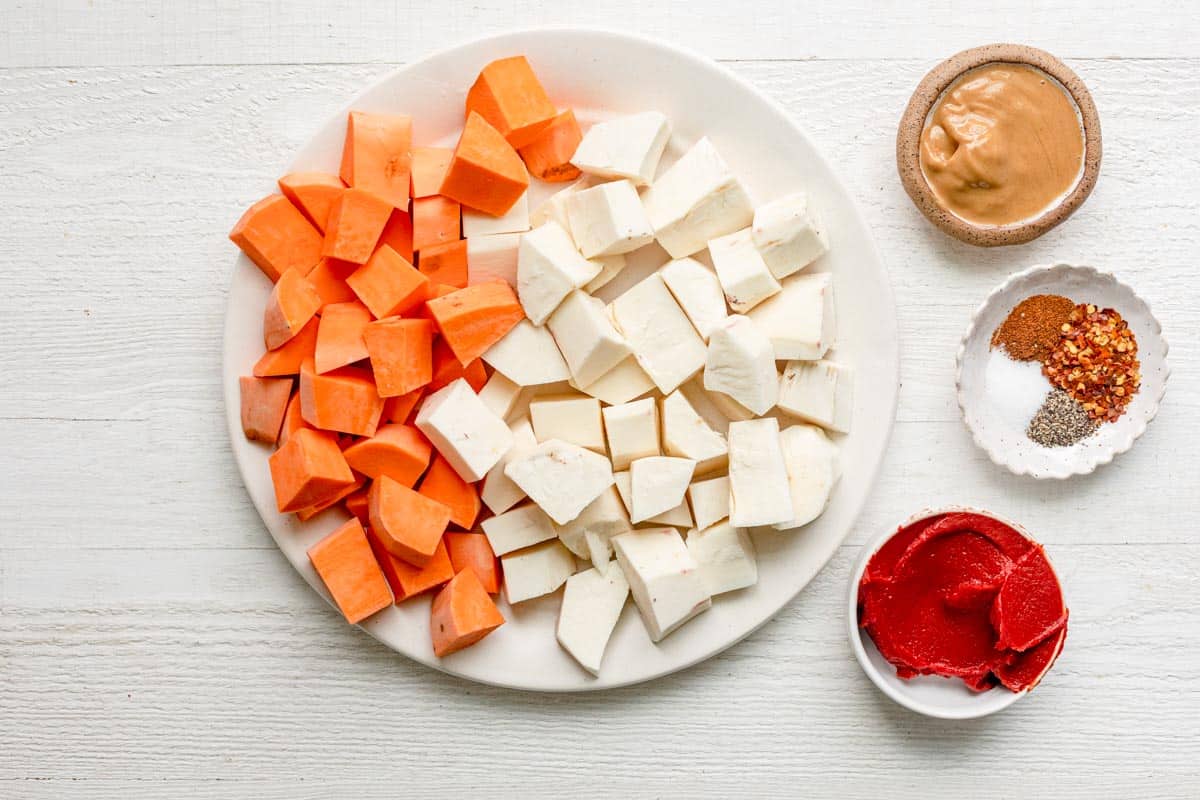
[1003, 145]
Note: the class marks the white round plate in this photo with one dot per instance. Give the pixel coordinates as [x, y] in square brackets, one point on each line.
[601, 73]
[1006, 444]
[931, 695]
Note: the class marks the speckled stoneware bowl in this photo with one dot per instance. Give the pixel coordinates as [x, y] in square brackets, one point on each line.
[1006, 444]
[926, 96]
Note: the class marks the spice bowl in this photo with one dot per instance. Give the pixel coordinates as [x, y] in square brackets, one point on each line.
[931, 695]
[1002, 435]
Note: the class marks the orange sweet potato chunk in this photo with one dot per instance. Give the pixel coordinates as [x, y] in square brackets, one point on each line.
[549, 155]
[346, 564]
[485, 173]
[401, 352]
[292, 303]
[313, 193]
[436, 220]
[509, 96]
[305, 514]
[277, 237]
[400, 409]
[462, 614]
[388, 284]
[344, 400]
[340, 335]
[428, 169]
[398, 233]
[473, 551]
[377, 154]
[405, 579]
[329, 279]
[397, 451]
[356, 221]
[356, 504]
[409, 524]
[447, 369]
[445, 263]
[287, 358]
[308, 469]
[443, 484]
[473, 319]
[264, 403]
[293, 420]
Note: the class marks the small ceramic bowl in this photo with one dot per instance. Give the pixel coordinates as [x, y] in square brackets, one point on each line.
[931, 695]
[1005, 442]
[926, 96]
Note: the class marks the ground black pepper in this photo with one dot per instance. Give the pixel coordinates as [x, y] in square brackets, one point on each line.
[1060, 422]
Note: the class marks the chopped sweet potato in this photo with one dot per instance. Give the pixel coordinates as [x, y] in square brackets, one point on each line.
[305, 514]
[548, 155]
[400, 409]
[428, 169]
[344, 400]
[447, 369]
[398, 233]
[377, 154]
[509, 96]
[473, 551]
[473, 319]
[388, 284]
[445, 263]
[340, 336]
[264, 404]
[287, 358]
[313, 193]
[401, 352]
[356, 221]
[356, 504]
[277, 237]
[436, 220]
[462, 614]
[292, 304]
[485, 173]
[346, 564]
[443, 484]
[293, 420]
[405, 579]
[400, 452]
[329, 279]
[308, 469]
[408, 524]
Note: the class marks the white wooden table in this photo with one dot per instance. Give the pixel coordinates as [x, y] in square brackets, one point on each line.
[154, 643]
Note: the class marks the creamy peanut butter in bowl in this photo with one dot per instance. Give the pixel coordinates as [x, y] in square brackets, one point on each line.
[999, 144]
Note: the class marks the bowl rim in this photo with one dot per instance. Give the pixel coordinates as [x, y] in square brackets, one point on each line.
[999, 457]
[930, 90]
[969, 710]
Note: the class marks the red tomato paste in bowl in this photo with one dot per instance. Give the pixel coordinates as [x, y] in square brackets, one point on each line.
[963, 595]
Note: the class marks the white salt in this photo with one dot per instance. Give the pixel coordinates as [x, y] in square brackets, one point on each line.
[1015, 389]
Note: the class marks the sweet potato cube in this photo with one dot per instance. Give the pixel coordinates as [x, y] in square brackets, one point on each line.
[549, 155]
[377, 154]
[400, 452]
[445, 263]
[436, 220]
[346, 564]
[344, 400]
[509, 96]
[473, 319]
[340, 336]
[462, 614]
[277, 237]
[356, 504]
[447, 369]
[292, 303]
[473, 551]
[399, 409]
[388, 284]
[356, 221]
[308, 469]
[287, 358]
[443, 484]
[305, 514]
[264, 403]
[329, 279]
[293, 420]
[405, 579]
[428, 169]
[485, 173]
[313, 193]
[409, 524]
[401, 352]
[398, 233]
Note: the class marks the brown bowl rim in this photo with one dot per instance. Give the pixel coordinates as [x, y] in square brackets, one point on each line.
[930, 89]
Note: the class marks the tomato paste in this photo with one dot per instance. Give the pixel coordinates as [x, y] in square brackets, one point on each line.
[964, 596]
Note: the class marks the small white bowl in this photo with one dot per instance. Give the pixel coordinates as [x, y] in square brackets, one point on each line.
[931, 695]
[1006, 444]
